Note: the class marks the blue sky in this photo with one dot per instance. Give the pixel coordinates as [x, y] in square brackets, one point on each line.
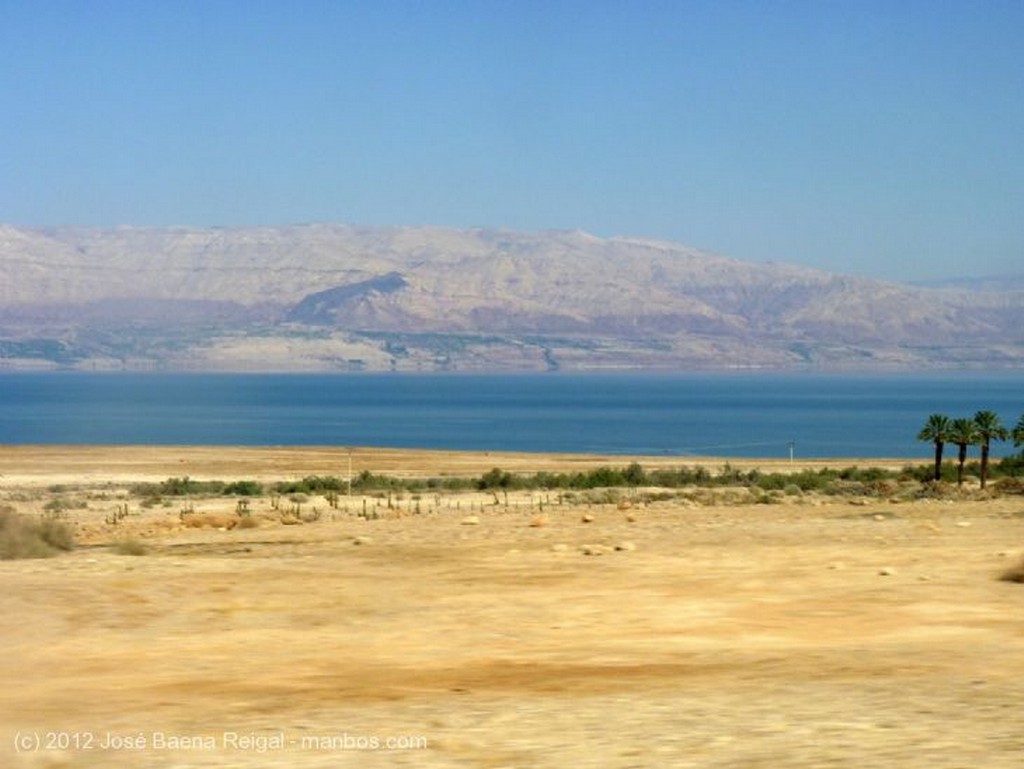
[871, 138]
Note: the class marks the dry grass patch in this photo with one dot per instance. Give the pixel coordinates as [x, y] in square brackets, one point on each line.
[130, 546]
[23, 536]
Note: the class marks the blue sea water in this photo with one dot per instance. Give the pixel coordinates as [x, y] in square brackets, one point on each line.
[738, 415]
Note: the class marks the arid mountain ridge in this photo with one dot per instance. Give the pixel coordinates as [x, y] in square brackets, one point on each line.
[334, 297]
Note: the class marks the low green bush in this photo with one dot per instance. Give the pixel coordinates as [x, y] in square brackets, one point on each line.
[243, 489]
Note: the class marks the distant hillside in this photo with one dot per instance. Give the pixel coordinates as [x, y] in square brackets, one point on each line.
[1000, 283]
[331, 297]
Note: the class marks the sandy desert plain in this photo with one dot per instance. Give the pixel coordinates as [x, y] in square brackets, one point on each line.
[817, 632]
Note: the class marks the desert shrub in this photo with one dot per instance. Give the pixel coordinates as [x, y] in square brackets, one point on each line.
[634, 475]
[772, 481]
[1014, 573]
[495, 478]
[883, 488]
[933, 490]
[177, 487]
[450, 484]
[545, 480]
[683, 476]
[180, 487]
[603, 496]
[317, 484]
[972, 469]
[792, 490]
[604, 477]
[25, 537]
[598, 478]
[1011, 466]
[1010, 485]
[243, 489]
[56, 534]
[844, 488]
[130, 546]
[63, 504]
[364, 483]
[247, 522]
[865, 474]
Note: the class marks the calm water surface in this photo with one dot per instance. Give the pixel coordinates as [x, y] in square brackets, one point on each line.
[724, 415]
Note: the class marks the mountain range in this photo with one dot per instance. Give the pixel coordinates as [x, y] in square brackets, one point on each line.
[324, 297]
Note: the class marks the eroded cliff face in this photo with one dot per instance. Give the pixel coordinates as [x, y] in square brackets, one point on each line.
[323, 297]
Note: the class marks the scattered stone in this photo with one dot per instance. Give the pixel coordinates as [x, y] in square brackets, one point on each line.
[538, 521]
[963, 524]
[879, 517]
[886, 571]
[471, 520]
[837, 566]
[561, 547]
[362, 540]
[626, 546]
[587, 518]
[594, 549]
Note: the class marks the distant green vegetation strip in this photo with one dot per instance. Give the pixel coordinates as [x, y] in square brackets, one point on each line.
[836, 480]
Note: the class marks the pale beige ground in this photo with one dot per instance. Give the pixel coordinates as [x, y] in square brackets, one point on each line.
[731, 636]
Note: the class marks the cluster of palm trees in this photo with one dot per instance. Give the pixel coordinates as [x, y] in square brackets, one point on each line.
[981, 430]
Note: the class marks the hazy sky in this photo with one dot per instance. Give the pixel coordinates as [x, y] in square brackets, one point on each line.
[875, 138]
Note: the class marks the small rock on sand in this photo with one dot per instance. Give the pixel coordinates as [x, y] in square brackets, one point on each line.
[471, 520]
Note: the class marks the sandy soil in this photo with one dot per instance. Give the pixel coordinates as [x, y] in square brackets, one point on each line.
[814, 633]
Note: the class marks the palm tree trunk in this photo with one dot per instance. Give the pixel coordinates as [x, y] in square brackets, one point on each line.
[962, 457]
[984, 463]
[938, 460]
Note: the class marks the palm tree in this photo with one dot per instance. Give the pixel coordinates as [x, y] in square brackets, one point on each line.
[1018, 432]
[989, 429]
[963, 432]
[936, 430]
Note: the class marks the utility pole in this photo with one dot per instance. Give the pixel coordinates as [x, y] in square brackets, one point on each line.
[791, 445]
[350, 472]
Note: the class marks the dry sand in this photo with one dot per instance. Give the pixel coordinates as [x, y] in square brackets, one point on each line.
[816, 633]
